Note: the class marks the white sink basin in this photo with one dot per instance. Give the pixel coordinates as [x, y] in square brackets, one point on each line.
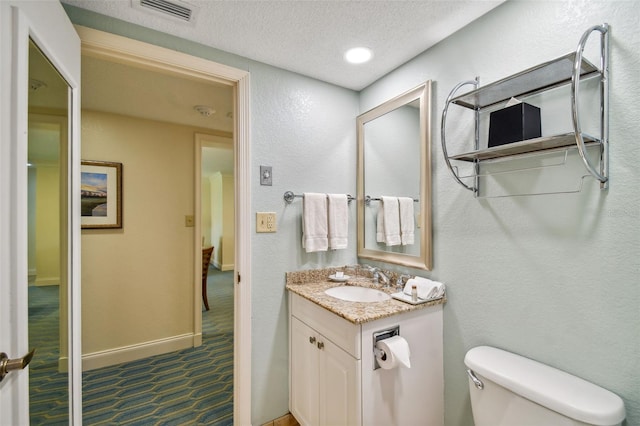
[357, 294]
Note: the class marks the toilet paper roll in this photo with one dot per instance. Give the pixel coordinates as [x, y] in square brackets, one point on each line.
[394, 351]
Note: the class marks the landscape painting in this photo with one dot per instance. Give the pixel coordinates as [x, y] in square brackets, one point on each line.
[101, 194]
[94, 194]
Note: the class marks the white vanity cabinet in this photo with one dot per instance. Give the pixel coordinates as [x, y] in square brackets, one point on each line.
[324, 378]
[333, 375]
[324, 381]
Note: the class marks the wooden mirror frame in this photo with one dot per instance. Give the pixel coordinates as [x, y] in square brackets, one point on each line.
[424, 260]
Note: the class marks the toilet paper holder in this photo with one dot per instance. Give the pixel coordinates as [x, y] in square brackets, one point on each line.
[381, 335]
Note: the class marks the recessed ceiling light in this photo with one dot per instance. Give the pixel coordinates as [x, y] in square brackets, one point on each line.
[358, 55]
[205, 110]
[36, 85]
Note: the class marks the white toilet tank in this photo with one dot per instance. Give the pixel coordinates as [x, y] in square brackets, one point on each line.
[507, 390]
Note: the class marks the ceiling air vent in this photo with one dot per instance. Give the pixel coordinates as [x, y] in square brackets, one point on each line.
[175, 9]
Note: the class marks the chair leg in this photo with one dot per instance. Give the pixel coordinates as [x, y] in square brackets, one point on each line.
[204, 294]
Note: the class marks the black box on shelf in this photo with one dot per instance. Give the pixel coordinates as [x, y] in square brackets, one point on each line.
[514, 124]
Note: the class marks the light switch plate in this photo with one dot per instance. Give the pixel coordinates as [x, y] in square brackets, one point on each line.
[265, 222]
[189, 221]
[266, 176]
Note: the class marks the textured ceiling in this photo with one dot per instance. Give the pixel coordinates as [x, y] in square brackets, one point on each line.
[310, 37]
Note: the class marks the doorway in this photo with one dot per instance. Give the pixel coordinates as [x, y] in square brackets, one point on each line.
[215, 223]
[114, 48]
[214, 159]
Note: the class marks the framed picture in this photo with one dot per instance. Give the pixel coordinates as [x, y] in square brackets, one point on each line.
[101, 194]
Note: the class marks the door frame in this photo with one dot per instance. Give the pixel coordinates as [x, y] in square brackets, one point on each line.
[121, 49]
[48, 25]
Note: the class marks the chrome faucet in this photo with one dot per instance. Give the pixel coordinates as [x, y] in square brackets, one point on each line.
[379, 275]
[402, 280]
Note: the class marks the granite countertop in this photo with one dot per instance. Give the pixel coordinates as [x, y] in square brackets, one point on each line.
[311, 285]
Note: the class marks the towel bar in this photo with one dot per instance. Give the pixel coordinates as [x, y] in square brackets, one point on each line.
[368, 199]
[289, 196]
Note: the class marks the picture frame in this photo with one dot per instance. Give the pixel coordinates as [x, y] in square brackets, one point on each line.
[100, 194]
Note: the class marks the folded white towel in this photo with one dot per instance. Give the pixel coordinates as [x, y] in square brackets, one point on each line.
[338, 221]
[406, 220]
[427, 289]
[314, 222]
[380, 224]
[389, 221]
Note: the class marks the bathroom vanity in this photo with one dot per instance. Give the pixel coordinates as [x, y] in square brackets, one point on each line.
[334, 377]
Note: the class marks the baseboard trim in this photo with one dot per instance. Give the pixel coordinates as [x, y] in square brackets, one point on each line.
[197, 340]
[42, 282]
[134, 352]
[63, 364]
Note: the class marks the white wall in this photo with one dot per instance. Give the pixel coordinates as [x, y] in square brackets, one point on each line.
[305, 130]
[137, 280]
[222, 220]
[47, 226]
[44, 199]
[551, 277]
[205, 211]
[554, 277]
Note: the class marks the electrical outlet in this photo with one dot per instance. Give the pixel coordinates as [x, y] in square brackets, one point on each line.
[265, 222]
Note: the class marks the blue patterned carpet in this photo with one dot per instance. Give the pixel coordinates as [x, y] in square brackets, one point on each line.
[48, 392]
[188, 387]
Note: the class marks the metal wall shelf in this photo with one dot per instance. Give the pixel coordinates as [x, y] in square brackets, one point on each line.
[567, 69]
[525, 147]
[549, 75]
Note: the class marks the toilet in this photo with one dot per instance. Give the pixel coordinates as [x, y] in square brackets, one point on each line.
[508, 389]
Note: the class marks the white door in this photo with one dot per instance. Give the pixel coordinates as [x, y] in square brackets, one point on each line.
[47, 25]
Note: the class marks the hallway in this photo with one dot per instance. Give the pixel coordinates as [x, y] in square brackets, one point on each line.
[192, 386]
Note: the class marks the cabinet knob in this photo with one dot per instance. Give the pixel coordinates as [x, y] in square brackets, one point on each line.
[312, 340]
[320, 345]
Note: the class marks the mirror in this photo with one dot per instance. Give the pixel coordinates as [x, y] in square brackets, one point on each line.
[47, 172]
[394, 160]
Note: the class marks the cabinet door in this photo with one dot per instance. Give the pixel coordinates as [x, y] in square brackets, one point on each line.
[304, 373]
[339, 386]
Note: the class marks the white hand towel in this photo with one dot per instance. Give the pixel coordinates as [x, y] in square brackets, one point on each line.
[391, 213]
[406, 220]
[380, 224]
[338, 221]
[314, 222]
[427, 289]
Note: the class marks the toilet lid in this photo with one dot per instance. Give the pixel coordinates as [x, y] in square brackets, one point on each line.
[554, 389]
